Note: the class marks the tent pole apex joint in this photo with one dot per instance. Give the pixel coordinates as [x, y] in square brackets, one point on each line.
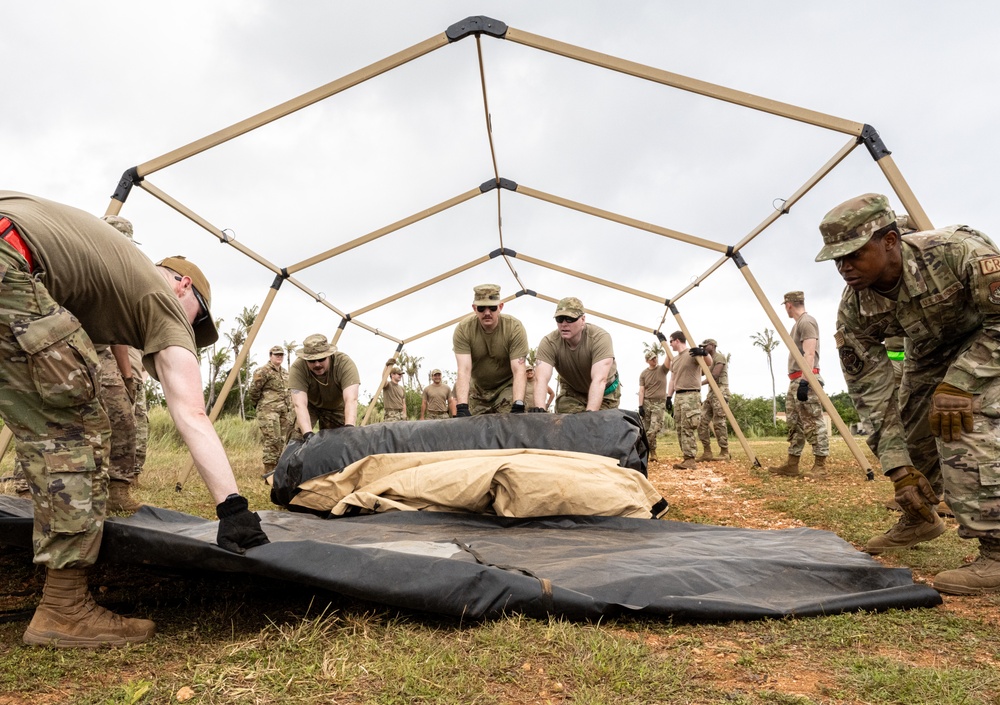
[738, 259]
[508, 184]
[487, 186]
[673, 309]
[870, 138]
[504, 251]
[526, 292]
[477, 24]
[130, 177]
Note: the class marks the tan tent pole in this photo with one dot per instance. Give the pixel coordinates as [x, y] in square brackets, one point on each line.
[290, 106]
[378, 393]
[605, 316]
[198, 220]
[684, 83]
[916, 212]
[406, 292]
[707, 371]
[375, 234]
[624, 220]
[446, 324]
[5, 438]
[806, 373]
[587, 277]
[234, 373]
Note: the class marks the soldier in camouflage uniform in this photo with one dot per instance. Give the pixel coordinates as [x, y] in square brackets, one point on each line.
[803, 410]
[270, 396]
[941, 289]
[393, 395]
[713, 416]
[685, 390]
[653, 397]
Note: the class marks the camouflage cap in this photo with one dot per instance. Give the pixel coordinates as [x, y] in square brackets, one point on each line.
[851, 224]
[316, 347]
[205, 332]
[794, 297]
[709, 341]
[651, 355]
[570, 306]
[277, 350]
[486, 295]
[122, 225]
[395, 371]
[435, 372]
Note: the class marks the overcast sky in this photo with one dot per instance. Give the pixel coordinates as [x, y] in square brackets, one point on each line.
[94, 88]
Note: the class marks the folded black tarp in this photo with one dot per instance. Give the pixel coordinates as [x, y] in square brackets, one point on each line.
[613, 433]
[480, 567]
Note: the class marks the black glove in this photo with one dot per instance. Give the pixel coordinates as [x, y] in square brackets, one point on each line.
[517, 407]
[642, 410]
[239, 528]
[802, 393]
[536, 410]
[307, 435]
[697, 352]
[462, 410]
[670, 405]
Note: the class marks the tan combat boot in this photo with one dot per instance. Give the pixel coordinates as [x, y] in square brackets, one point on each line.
[976, 578]
[67, 617]
[120, 500]
[789, 469]
[706, 455]
[687, 464]
[818, 470]
[724, 455]
[905, 533]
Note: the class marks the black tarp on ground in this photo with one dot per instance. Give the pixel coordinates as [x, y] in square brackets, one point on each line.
[613, 433]
[577, 567]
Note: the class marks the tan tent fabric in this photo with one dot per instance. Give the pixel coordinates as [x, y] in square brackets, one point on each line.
[515, 482]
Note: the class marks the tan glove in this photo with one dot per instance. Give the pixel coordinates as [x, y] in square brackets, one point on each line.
[914, 494]
[951, 412]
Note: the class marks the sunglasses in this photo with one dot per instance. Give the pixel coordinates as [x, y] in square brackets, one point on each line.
[203, 316]
[567, 319]
[483, 308]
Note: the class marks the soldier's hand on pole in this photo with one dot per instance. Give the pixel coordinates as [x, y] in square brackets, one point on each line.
[390, 362]
[914, 494]
[951, 412]
[802, 393]
[239, 528]
[697, 352]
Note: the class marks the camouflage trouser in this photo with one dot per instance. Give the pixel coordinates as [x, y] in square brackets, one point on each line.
[325, 418]
[141, 413]
[570, 402]
[394, 415]
[687, 414]
[119, 407]
[966, 472]
[499, 403]
[713, 418]
[275, 427]
[805, 423]
[49, 377]
[653, 421]
[436, 415]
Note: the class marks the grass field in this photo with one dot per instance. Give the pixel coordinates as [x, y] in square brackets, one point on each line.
[227, 640]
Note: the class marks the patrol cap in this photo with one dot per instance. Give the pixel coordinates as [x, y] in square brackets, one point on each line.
[794, 297]
[277, 350]
[651, 355]
[486, 295]
[570, 306]
[316, 347]
[122, 225]
[435, 372]
[395, 371]
[709, 341]
[851, 224]
[205, 332]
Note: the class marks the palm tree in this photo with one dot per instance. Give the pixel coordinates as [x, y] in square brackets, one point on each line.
[410, 364]
[653, 347]
[237, 337]
[290, 348]
[766, 341]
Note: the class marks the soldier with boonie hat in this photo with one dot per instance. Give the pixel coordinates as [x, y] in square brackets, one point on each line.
[490, 350]
[324, 385]
[275, 416]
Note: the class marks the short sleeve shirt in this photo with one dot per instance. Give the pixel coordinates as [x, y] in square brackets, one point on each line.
[687, 372]
[436, 396]
[804, 329]
[573, 365]
[654, 383]
[720, 359]
[491, 352]
[325, 393]
[393, 396]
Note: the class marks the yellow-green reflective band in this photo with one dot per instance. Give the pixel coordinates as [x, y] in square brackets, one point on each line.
[896, 354]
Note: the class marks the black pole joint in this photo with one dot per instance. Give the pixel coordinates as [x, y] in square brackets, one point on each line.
[659, 336]
[526, 292]
[506, 251]
[399, 348]
[673, 309]
[129, 178]
[343, 321]
[501, 182]
[279, 280]
[738, 259]
[876, 147]
[729, 251]
[477, 24]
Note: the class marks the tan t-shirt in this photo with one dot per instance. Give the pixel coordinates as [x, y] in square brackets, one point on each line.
[654, 383]
[436, 396]
[574, 365]
[720, 359]
[100, 277]
[804, 329]
[687, 372]
[393, 396]
[326, 392]
[491, 352]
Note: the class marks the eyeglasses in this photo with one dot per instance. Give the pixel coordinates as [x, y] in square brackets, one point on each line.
[567, 319]
[483, 308]
[203, 316]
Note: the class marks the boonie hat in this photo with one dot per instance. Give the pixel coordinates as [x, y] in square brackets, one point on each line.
[277, 350]
[850, 225]
[486, 295]
[316, 347]
[205, 333]
[709, 341]
[570, 306]
[794, 297]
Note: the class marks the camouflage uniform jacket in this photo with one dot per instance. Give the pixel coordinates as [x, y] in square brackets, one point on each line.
[269, 389]
[948, 305]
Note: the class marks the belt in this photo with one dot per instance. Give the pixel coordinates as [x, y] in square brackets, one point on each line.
[10, 235]
[611, 387]
[798, 373]
[687, 391]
